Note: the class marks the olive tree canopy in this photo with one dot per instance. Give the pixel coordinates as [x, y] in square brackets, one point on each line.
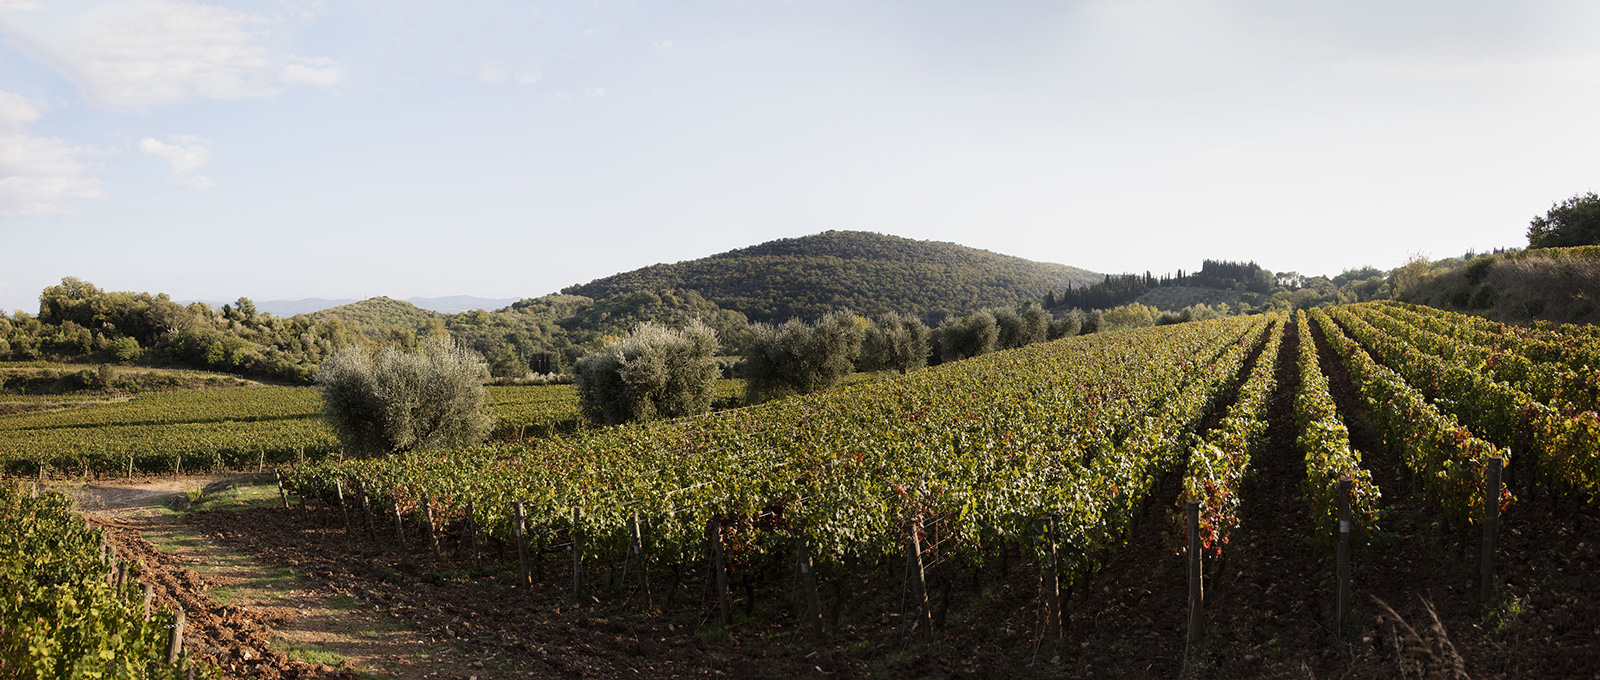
[799, 358]
[398, 401]
[655, 372]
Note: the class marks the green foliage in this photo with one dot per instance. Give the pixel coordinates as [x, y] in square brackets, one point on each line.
[1020, 329]
[405, 401]
[653, 373]
[1131, 315]
[895, 343]
[124, 350]
[59, 616]
[967, 336]
[1573, 222]
[800, 358]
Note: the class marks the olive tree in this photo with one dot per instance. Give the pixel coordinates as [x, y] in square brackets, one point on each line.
[399, 401]
[654, 372]
[797, 358]
[895, 342]
[967, 336]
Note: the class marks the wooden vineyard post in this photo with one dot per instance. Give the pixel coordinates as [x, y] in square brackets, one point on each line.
[281, 493]
[919, 582]
[522, 542]
[122, 575]
[808, 583]
[130, 467]
[149, 595]
[261, 460]
[399, 524]
[366, 512]
[1196, 590]
[175, 643]
[637, 536]
[427, 522]
[1491, 528]
[470, 530]
[338, 490]
[577, 553]
[1052, 582]
[177, 471]
[720, 567]
[1341, 607]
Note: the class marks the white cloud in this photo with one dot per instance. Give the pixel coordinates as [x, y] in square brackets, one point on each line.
[662, 44]
[595, 92]
[18, 5]
[588, 33]
[495, 72]
[141, 54]
[319, 71]
[185, 154]
[38, 175]
[562, 95]
[492, 72]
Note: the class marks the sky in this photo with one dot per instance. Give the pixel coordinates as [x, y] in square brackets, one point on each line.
[282, 149]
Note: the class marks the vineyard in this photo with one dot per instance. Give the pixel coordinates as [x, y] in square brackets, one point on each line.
[1321, 444]
[68, 609]
[236, 428]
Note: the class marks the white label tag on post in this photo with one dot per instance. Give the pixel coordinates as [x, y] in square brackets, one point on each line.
[1344, 526]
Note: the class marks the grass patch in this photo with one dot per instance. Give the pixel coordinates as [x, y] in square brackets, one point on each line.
[308, 653]
[343, 603]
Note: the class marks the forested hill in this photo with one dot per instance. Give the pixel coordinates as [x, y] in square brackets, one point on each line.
[861, 271]
[377, 313]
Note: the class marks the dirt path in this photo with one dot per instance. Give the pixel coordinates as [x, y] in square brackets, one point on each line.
[248, 618]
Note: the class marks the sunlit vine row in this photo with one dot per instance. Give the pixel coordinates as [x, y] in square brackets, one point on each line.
[1079, 429]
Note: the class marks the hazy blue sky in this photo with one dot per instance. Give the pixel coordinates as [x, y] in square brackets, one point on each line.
[349, 148]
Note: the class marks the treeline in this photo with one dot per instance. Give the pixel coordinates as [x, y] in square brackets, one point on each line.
[78, 320]
[1250, 288]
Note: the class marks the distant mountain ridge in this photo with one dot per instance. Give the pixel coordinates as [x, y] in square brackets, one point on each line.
[450, 304]
[866, 272]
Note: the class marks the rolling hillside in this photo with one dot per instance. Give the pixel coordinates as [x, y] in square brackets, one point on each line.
[1546, 284]
[865, 272]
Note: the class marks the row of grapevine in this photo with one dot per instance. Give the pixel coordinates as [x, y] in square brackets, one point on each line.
[164, 449]
[1217, 465]
[232, 428]
[1446, 456]
[1079, 430]
[1567, 381]
[60, 615]
[237, 404]
[1329, 458]
[1561, 440]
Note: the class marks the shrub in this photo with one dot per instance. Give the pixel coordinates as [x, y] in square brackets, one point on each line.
[124, 349]
[1131, 315]
[432, 398]
[798, 358]
[654, 372]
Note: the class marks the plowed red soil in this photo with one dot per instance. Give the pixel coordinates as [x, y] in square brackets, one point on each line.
[236, 640]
